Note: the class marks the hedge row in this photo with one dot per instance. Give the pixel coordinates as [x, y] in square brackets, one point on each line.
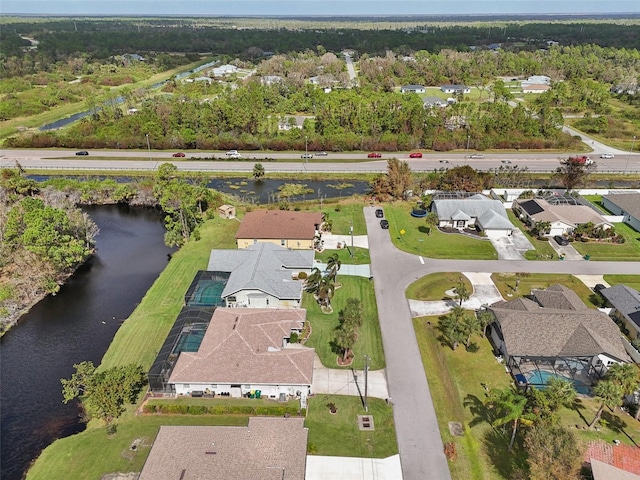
[274, 411]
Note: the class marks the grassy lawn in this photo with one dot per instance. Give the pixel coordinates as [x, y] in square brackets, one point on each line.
[433, 287]
[92, 453]
[218, 400]
[323, 327]
[506, 283]
[437, 244]
[632, 281]
[339, 434]
[543, 251]
[456, 378]
[140, 337]
[628, 251]
[360, 256]
[343, 213]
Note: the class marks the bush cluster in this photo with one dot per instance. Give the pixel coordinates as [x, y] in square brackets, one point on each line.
[260, 410]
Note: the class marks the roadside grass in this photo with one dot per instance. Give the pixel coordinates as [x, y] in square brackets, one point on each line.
[339, 434]
[543, 251]
[506, 283]
[627, 251]
[91, 454]
[360, 256]
[140, 337]
[632, 281]
[435, 245]
[433, 287]
[456, 378]
[323, 326]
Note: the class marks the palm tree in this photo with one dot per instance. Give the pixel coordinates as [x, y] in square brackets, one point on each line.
[326, 289]
[333, 266]
[462, 292]
[313, 281]
[627, 376]
[560, 393]
[485, 318]
[609, 393]
[509, 406]
[258, 171]
[346, 339]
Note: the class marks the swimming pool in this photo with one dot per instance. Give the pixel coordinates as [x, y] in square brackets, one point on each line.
[540, 378]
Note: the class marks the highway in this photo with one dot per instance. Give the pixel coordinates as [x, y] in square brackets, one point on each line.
[46, 159]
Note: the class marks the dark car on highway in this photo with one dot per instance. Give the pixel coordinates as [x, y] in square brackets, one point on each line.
[384, 224]
[82, 152]
[563, 242]
[379, 213]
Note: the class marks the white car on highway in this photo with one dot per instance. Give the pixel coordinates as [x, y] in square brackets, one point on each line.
[606, 155]
[233, 154]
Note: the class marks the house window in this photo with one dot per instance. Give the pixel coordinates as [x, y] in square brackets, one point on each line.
[460, 224]
[231, 298]
[186, 385]
[267, 300]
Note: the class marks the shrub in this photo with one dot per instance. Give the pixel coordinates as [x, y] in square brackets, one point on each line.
[302, 275]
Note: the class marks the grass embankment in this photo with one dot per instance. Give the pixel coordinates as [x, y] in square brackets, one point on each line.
[455, 382]
[506, 283]
[542, 249]
[323, 326]
[360, 256]
[435, 245]
[433, 287]
[330, 434]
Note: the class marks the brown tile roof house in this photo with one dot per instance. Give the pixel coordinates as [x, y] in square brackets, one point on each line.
[266, 449]
[279, 224]
[245, 346]
[559, 328]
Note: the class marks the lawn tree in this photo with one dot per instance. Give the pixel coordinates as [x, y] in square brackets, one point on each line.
[626, 375]
[572, 173]
[352, 313]
[462, 292]
[345, 339]
[396, 182]
[104, 393]
[541, 228]
[485, 318]
[509, 405]
[609, 393]
[333, 266]
[258, 171]
[559, 393]
[553, 452]
[452, 327]
[432, 220]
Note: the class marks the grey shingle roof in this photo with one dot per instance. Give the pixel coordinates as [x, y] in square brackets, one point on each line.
[492, 220]
[268, 448]
[624, 299]
[629, 202]
[558, 296]
[473, 207]
[263, 266]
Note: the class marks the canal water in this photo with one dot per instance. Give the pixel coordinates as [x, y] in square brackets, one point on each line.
[75, 325]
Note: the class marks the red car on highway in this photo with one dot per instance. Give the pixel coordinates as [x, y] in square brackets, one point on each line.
[415, 155]
[374, 155]
[179, 154]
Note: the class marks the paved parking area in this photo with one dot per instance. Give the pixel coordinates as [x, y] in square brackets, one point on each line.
[342, 381]
[510, 247]
[346, 468]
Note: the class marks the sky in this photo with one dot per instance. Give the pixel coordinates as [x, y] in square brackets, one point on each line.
[315, 7]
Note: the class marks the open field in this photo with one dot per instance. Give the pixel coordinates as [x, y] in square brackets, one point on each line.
[433, 287]
[435, 245]
[323, 326]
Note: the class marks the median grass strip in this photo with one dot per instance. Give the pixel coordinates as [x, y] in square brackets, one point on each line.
[338, 434]
[140, 337]
[323, 326]
[506, 283]
[433, 287]
[436, 244]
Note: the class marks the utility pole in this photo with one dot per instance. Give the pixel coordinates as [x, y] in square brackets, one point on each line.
[148, 146]
[351, 230]
[366, 382]
[633, 144]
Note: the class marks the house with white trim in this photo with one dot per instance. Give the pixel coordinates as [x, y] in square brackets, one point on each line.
[412, 89]
[476, 211]
[626, 204]
[455, 89]
[563, 218]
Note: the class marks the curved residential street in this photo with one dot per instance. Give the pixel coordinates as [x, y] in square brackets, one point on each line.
[419, 441]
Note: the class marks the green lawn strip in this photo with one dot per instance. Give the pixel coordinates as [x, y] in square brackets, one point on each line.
[543, 251]
[91, 454]
[323, 327]
[456, 378]
[360, 256]
[343, 213]
[597, 201]
[437, 244]
[339, 434]
[627, 251]
[233, 402]
[632, 281]
[433, 287]
[506, 283]
[140, 337]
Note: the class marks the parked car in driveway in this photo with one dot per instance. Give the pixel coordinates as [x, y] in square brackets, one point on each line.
[379, 213]
[179, 154]
[563, 242]
[384, 224]
[374, 155]
[476, 155]
[415, 155]
[82, 152]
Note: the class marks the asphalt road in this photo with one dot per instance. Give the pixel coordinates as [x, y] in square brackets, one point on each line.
[419, 441]
[334, 162]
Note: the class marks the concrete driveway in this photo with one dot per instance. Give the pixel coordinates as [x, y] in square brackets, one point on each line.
[510, 247]
[331, 241]
[344, 381]
[570, 253]
[348, 468]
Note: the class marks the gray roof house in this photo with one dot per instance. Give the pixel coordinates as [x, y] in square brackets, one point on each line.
[476, 211]
[262, 275]
[455, 89]
[553, 334]
[562, 218]
[434, 102]
[626, 306]
[626, 204]
[412, 89]
[268, 448]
